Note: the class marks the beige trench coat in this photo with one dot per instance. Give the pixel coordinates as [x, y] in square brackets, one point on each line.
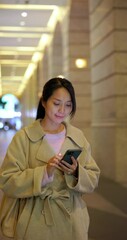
[56, 211]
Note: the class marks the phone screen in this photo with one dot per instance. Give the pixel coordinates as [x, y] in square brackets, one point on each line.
[71, 152]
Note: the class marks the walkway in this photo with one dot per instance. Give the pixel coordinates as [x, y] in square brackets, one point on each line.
[107, 206]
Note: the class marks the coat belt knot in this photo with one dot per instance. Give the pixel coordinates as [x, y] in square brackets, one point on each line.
[57, 197]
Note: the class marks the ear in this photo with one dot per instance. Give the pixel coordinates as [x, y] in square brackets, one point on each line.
[43, 103]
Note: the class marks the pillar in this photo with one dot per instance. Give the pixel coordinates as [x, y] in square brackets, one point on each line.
[108, 36]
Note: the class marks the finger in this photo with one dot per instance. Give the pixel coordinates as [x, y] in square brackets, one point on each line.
[69, 171]
[64, 163]
[56, 160]
[53, 164]
[74, 160]
[74, 168]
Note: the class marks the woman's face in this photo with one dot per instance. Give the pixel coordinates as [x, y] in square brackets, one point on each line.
[58, 106]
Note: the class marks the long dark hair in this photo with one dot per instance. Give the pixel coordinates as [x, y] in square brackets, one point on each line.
[48, 90]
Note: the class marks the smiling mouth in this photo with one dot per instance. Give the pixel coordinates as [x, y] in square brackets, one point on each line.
[60, 116]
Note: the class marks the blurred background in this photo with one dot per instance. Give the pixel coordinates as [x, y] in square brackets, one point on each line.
[84, 41]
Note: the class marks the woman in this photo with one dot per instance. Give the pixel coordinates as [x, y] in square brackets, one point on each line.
[43, 194]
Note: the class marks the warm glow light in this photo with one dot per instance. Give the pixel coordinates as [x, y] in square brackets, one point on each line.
[60, 76]
[27, 6]
[81, 63]
[43, 41]
[53, 19]
[29, 70]
[36, 57]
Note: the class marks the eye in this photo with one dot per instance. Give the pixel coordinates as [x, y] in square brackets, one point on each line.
[56, 104]
[69, 105]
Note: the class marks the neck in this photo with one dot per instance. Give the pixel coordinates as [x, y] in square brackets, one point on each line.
[53, 129]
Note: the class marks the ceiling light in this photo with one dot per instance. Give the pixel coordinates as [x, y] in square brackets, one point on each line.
[24, 14]
[22, 23]
[81, 63]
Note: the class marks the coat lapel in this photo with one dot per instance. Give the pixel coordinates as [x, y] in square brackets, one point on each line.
[45, 152]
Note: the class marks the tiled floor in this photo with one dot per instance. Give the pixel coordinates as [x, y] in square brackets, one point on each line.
[107, 206]
[108, 211]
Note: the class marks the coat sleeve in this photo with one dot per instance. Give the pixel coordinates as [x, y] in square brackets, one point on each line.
[17, 180]
[88, 173]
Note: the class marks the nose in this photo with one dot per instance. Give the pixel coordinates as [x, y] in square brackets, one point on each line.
[62, 108]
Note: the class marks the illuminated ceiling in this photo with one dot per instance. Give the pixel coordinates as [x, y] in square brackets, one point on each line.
[23, 39]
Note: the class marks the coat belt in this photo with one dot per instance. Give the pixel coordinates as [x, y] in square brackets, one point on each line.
[57, 197]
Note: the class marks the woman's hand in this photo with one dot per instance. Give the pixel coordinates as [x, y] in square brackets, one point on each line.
[53, 163]
[69, 168]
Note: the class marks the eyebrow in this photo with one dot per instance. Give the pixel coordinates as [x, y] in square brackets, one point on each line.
[57, 99]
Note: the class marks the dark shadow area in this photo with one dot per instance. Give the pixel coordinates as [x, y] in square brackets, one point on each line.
[107, 226]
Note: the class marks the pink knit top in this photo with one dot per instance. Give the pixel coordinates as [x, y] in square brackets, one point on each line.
[55, 141]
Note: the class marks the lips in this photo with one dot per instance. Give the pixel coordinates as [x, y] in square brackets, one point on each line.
[59, 116]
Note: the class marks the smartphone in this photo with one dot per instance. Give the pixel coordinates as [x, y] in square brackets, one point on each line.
[71, 152]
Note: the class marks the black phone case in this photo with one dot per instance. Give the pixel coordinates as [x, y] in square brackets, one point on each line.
[71, 152]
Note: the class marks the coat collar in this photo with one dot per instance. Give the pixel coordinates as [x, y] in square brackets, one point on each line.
[35, 132]
[75, 134]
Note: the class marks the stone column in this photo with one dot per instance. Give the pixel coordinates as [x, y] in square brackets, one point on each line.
[109, 86]
[57, 52]
[77, 45]
[29, 101]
